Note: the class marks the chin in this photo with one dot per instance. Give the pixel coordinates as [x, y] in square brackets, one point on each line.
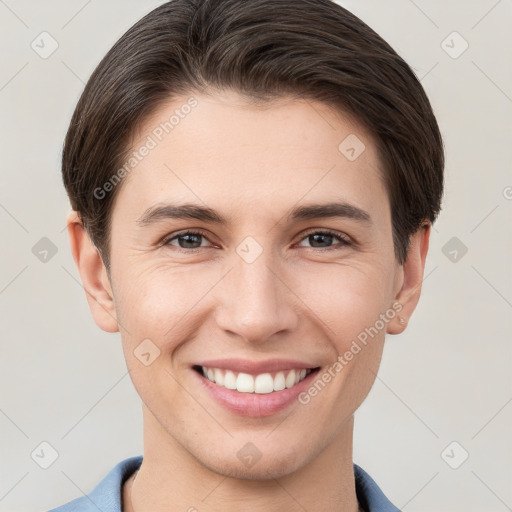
[265, 468]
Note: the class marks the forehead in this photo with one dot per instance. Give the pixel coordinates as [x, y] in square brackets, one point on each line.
[263, 156]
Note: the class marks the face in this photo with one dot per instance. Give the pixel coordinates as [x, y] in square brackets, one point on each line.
[283, 260]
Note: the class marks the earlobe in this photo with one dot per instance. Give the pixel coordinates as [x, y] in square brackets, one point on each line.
[412, 272]
[93, 275]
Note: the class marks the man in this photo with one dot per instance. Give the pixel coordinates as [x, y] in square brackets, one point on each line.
[253, 186]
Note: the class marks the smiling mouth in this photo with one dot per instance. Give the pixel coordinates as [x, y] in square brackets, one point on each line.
[263, 383]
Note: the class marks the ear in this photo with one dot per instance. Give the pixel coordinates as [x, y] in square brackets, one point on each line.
[409, 280]
[94, 275]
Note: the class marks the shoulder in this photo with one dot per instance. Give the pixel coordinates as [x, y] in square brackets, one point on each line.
[107, 493]
[369, 494]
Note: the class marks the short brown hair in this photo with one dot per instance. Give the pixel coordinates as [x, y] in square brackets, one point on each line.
[265, 49]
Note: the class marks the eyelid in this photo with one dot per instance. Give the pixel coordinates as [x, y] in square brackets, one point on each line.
[340, 234]
[345, 239]
[191, 231]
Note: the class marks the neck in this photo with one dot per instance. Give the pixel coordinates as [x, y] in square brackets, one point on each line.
[171, 479]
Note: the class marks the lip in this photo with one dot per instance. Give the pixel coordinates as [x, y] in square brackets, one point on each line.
[255, 405]
[256, 367]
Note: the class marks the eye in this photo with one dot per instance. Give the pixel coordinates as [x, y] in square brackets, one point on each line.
[186, 240]
[319, 239]
[324, 239]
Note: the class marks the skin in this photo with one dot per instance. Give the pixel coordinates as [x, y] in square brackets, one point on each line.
[297, 300]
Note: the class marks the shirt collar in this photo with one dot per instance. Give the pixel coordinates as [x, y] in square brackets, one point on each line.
[107, 495]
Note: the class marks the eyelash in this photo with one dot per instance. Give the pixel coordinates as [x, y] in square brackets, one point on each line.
[344, 240]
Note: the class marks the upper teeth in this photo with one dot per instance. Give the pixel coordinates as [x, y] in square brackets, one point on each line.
[262, 383]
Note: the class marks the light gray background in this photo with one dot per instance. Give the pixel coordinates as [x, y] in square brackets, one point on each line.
[447, 378]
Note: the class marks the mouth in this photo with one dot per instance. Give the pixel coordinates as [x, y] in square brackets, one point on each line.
[261, 383]
[252, 388]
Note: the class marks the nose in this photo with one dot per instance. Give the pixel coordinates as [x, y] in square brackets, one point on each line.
[256, 302]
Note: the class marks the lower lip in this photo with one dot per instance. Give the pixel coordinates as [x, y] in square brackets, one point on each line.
[255, 405]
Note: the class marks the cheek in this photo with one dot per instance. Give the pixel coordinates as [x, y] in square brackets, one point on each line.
[156, 310]
[162, 303]
[348, 299]
[350, 303]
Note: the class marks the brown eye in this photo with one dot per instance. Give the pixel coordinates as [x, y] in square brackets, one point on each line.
[326, 239]
[186, 240]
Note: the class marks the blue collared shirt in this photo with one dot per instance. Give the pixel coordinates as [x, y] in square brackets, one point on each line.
[106, 496]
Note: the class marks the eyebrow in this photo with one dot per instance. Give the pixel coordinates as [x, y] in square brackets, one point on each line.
[203, 213]
[319, 211]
